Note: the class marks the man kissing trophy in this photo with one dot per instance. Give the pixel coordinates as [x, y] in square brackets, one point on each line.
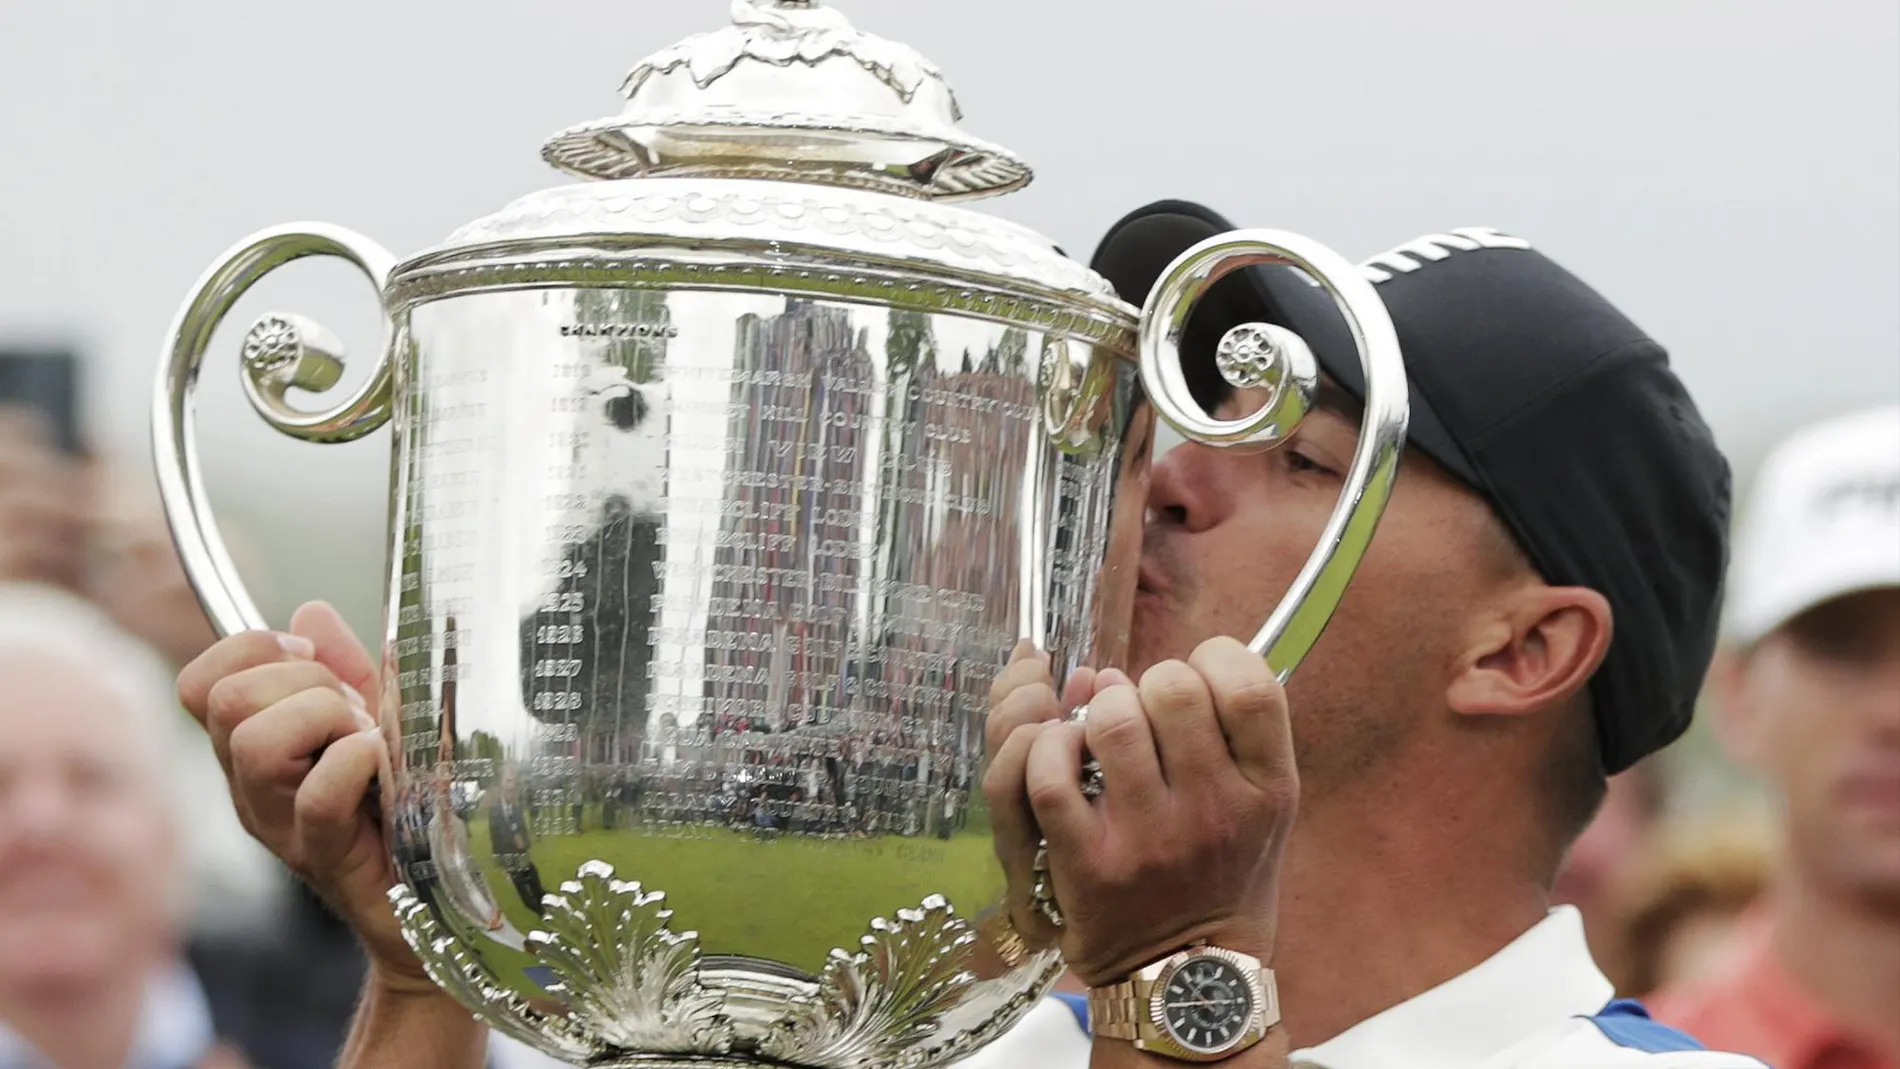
[724, 483]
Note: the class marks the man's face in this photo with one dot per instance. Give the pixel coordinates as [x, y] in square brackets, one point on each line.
[1228, 530]
[1816, 708]
[86, 851]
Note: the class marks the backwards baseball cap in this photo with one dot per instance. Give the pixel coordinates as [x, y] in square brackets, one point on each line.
[1823, 522]
[1532, 389]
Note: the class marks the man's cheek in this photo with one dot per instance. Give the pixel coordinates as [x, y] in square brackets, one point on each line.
[1803, 770]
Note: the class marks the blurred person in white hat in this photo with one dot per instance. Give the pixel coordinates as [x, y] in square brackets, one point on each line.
[114, 827]
[1808, 695]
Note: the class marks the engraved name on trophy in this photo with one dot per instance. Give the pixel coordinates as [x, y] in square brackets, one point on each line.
[723, 484]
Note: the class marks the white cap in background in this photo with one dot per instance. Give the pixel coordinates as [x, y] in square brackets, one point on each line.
[1823, 522]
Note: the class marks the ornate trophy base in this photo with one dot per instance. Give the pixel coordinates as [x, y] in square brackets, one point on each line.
[623, 981]
[672, 1061]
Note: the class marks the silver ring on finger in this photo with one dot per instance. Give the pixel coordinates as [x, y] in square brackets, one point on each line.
[1092, 780]
[1042, 893]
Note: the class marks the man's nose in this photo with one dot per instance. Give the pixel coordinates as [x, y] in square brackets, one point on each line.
[1880, 693]
[35, 808]
[1179, 492]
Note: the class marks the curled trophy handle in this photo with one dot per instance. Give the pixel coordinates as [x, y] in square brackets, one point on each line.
[1270, 357]
[281, 352]
[1273, 358]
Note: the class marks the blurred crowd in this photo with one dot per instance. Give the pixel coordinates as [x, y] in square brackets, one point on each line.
[140, 925]
[141, 928]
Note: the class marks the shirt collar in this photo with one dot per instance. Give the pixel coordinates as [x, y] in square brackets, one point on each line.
[174, 1030]
[1539, 980]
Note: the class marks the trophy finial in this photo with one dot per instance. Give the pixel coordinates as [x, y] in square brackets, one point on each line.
[791, 91]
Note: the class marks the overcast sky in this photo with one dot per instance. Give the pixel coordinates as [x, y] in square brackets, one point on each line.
[1727, 170]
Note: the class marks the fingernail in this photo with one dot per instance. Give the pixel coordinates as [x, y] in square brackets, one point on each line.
[1112, 677]
[359, 707]
[298, 647]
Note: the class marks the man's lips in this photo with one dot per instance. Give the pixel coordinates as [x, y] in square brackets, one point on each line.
[1874, 784]
[48, 885]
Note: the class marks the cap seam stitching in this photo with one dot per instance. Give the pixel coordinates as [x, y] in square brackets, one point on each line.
[1537, 400]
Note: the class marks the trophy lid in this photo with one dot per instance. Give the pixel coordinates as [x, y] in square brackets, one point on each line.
[787, 130]
[791, 91]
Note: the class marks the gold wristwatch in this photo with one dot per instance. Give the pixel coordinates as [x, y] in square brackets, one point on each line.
[1200, 1005]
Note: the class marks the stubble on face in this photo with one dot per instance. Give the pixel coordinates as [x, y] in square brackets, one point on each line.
[1229, 531]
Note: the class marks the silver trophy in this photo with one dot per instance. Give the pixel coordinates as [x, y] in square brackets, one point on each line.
[723, 484]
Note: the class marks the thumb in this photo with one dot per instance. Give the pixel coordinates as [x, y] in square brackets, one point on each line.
[338, 648]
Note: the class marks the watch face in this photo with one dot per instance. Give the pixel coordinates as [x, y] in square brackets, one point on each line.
[1206, 1004]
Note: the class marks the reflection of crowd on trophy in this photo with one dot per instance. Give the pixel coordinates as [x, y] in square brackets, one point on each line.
[814, 785]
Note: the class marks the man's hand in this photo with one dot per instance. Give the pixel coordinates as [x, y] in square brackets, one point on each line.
[293, 720]
[1024, 696]
[138, 578]
[1184, 844]
[43, 506]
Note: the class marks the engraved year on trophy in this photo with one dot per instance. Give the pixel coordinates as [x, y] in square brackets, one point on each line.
[723, 482]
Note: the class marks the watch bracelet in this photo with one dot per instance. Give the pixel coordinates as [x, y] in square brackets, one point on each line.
[1119, 1010]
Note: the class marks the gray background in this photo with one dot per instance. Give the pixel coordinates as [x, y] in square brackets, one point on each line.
[1727, 170]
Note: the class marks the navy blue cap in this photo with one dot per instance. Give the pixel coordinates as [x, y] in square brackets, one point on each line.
[1535, 391]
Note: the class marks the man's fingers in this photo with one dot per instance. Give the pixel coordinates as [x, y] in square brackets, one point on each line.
[1032, 704]
[43, 504]
[242, 695]
[1119, 737]
[1012, 823]
[1014, 833]
[42, 530]
[27, 450]
[329, 807]
[229, 657]
[23, 426]
[338, 647]
[1052, 778]
[1187, 733]
[273, 751]
[1027, 665]
[37, 559]
[1252, 709]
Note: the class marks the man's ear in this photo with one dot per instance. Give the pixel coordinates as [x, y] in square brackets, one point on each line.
[1736, 720]
[1542, 650]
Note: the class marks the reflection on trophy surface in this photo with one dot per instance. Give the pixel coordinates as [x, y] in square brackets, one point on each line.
[723, 484]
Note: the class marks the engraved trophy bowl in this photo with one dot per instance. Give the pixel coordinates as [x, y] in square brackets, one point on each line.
[723, 482]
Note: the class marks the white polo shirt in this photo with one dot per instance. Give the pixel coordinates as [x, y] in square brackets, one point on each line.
[1540, 1003]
